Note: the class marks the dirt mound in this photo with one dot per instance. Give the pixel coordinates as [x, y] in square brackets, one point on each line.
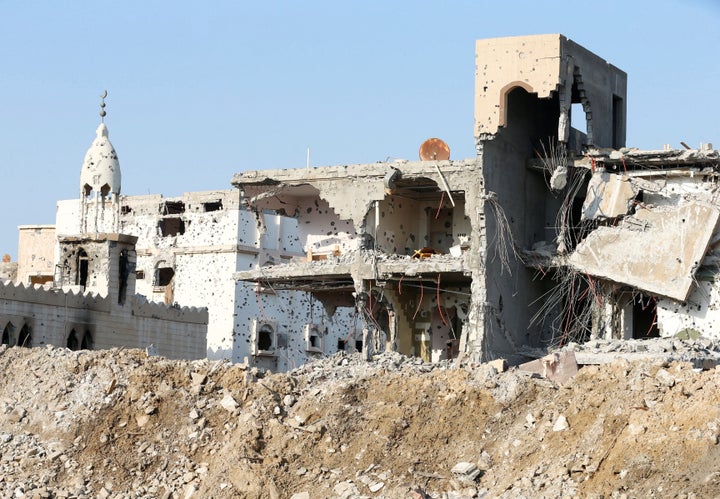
[118, 423]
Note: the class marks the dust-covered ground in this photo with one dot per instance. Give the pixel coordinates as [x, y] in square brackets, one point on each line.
[118, 423]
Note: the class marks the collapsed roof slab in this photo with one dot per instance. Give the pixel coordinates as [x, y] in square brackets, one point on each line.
[608, 196]
[657, 251]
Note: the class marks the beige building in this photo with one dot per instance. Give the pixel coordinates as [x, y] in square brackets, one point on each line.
[78, 289]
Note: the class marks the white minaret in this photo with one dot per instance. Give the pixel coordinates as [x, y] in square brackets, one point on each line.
[100, 183]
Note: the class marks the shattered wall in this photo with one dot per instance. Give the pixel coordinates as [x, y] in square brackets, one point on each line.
[212, 237]
[550, 66]
[524, 91]
[36, 262]
[391, 258]
[656, 214]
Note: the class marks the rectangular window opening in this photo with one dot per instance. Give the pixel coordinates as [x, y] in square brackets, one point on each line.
[171, 226]
[172, 208]
[213, 206]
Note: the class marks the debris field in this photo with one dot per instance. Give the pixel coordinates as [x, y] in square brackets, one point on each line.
[120, 423]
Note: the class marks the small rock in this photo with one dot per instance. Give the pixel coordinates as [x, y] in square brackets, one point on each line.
[300, 495]
[466, 470]
[376, 486]
[142, 420]
[665, 378]
[228, 402]
[561, 424]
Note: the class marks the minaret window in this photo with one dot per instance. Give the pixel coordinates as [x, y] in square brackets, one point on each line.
[124, 273]
[82, 268]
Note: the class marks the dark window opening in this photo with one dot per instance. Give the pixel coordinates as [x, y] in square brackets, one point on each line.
[72, 342]
[358, 345]
[617, 123]
[139, 274]
[105, 190]
[644, 319]
[25, 338]
[82, 268]
[87, 190]
[171, 226]
[163, 276]
[341, 345]
[8, 335]
[172, 208]
[265, 338]
[213, 206]
[87, 341]
[124, 273]
[125, 210]
[314, 338]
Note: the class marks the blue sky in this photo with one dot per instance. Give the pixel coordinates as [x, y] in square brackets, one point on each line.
[201, 90]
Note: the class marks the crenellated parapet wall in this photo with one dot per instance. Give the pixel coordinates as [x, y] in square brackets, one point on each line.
[141, 307]
[44, 295]
[40, 315]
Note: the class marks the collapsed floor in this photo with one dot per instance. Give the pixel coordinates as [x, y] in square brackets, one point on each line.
[120, 424]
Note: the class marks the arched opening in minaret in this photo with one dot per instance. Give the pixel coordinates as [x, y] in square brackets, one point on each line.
[87, 190]
[105, 190]
[82, 268]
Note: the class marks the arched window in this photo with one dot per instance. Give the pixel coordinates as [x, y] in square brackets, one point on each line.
[163, 274]
[8, 335]
[87, 341]
[72, 341]
[25, 337]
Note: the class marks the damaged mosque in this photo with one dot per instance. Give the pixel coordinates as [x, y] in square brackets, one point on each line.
[549, 235]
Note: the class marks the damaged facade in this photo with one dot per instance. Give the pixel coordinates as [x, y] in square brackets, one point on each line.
[554, 232]
[76, 288]
[519, 247]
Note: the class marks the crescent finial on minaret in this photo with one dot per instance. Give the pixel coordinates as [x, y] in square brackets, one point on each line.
[102, 106]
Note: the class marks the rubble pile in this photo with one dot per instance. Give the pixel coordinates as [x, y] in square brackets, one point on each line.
[120, 423]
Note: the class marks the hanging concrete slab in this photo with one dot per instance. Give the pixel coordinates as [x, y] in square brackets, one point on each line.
[608, 195]
[657, 251]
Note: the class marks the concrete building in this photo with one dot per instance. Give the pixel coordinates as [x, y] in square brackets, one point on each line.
[77, 287]
[429, 251]
[539, 240]
[189, 247]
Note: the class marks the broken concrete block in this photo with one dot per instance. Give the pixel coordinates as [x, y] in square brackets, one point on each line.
[559, 367]
[678, 237]
[500, 365]
[558, 180]
[608, 196]
[228, 402]
[376, 486]
[561, 423]
[665, 378]
[142, 420]
[466, 470]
